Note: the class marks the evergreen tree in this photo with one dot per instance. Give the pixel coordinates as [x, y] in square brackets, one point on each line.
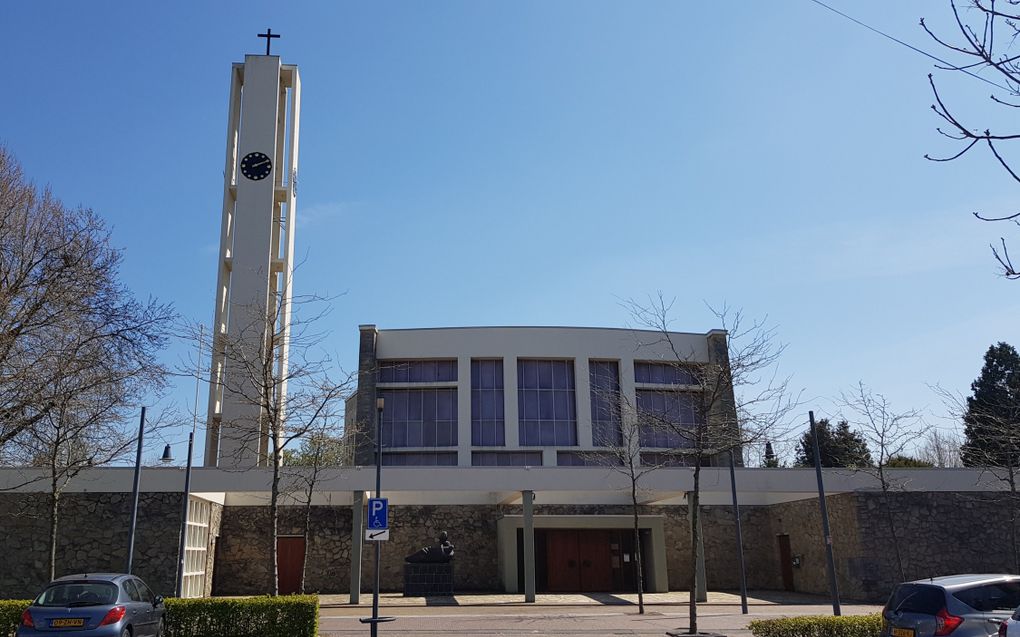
[907, 462]
[838, 446]
[992, 420]
[771, 461]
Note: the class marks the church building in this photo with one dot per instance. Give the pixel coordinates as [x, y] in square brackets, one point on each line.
[500, 436]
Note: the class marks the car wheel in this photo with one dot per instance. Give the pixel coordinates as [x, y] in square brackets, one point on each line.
[160, 628]
[126, 633]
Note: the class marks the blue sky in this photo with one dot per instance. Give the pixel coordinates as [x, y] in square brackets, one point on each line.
[483, 163]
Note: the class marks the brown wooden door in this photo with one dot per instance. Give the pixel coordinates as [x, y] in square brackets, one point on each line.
[786, 561]
[596, 561]
[290, 556]
[563, 568]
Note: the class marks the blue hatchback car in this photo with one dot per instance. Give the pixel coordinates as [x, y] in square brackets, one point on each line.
[94, 605]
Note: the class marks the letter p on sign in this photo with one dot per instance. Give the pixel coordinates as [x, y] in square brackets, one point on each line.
[378, 513]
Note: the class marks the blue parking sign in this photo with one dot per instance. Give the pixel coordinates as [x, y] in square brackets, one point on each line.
[378, 513]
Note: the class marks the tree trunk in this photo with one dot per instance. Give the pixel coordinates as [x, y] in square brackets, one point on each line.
[308, 521]
[695, 501]
[1012, 518]
[54, 523]
[637, 552]
[274, 514]
[891, 521]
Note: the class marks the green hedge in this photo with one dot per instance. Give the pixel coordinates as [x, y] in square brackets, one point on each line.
[285, 616]
[819, 626]
[10, 615]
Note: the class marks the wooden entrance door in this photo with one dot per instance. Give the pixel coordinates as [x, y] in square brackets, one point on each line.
[290, 556]
[786, 561]
[562, 568]
[579, 560]
[594, 557]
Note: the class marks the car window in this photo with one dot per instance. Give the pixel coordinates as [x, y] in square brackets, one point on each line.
[78, 594]
[916, 598]
[132, 591]
[989, 597]
[145, 592]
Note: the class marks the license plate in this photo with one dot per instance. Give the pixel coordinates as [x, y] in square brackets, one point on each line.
[71, 622]
[902, 632]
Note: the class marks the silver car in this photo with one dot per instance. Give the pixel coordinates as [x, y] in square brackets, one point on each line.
[957, 605]
[94, 605]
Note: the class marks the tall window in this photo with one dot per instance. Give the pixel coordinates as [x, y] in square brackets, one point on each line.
[661, 413]
[487, 425]
[425, 417]
[545, 402]
[605, 403]
[665, 404]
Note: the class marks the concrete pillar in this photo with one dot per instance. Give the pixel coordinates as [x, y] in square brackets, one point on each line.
[511, 418]
[357, 539]
[582, 400]
[528, 499]
[464, 411]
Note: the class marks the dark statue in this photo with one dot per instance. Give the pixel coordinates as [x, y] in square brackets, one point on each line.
[439, 553]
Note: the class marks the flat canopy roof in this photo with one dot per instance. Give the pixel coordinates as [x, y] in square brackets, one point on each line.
[502, 485]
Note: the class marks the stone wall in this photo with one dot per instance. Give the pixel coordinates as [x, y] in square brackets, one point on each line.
[243, 548]
[938, 534]
[92, 537]
[472, 530]
[802, 521]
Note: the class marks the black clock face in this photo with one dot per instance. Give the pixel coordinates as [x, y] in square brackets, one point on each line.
[256, 166]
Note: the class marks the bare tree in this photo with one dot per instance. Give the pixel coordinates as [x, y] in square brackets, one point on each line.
[617, 431]
[889, 434]
[994, 448]
[940, 449]
[288, 379]
[322, 455]
[737, 394]
[59, 276]
[89, 421]
[984, 45]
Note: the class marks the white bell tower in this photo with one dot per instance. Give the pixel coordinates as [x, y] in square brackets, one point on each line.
[253, 289]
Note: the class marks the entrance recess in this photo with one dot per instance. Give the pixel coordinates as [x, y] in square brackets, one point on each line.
[589, 560]
[583, 553]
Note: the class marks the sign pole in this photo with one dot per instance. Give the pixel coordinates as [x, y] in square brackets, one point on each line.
[833, 585]
[377, 505]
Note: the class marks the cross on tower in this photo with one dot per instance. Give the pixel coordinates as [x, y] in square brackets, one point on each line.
[268, 35]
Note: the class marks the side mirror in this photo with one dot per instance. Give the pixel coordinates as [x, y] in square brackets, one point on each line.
[158, 601]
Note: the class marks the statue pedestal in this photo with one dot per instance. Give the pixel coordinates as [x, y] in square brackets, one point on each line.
[422, 580]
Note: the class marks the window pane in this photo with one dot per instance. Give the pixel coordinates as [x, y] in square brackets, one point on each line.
[506, 459]
[547, 412]
[417, 416]
[427, 371]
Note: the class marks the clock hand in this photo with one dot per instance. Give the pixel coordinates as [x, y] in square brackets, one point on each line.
[264, 161]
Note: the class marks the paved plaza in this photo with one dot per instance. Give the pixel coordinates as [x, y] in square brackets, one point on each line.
[595, 614]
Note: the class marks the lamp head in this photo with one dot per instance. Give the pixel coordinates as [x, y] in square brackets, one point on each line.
[380, 403]
[168, 455]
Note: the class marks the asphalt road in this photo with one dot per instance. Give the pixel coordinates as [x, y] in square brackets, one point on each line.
[492, 621]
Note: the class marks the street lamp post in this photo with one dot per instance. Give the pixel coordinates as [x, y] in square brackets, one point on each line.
[830, 562]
